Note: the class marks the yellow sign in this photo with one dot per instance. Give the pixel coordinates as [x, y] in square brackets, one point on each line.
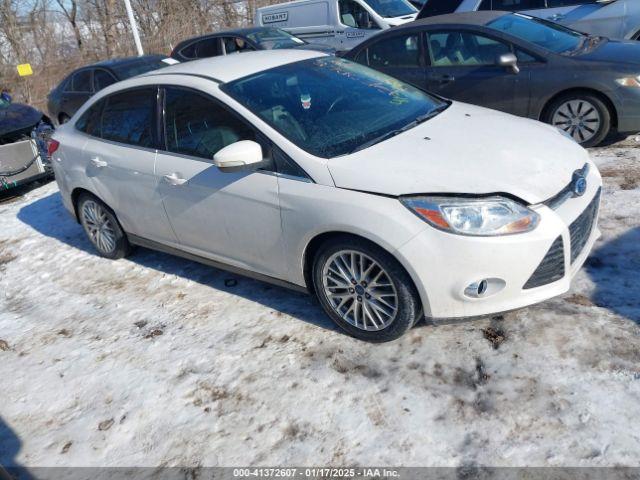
[25, 70]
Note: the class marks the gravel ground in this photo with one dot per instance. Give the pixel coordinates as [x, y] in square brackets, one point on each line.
[156, 361]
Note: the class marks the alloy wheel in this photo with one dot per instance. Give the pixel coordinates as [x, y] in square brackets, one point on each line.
[98, 226]
[579, 118]
[359, 290]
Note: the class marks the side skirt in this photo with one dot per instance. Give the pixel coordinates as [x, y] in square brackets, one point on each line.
[143, 242]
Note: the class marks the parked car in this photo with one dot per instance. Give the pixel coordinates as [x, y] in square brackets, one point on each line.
[319, 174]
[518, 64]
[241, 40]
[341, 24]
[608, 18]
[24, 133]
[81, 84]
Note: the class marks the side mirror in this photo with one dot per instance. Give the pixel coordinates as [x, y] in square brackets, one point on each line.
[238, 156]
[509, 61]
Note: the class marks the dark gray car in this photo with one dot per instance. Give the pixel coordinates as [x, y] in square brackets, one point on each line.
[585, 85]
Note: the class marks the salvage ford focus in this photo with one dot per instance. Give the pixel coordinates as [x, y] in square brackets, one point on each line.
[320, 174]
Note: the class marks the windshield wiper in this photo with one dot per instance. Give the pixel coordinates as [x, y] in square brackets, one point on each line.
[392, 133]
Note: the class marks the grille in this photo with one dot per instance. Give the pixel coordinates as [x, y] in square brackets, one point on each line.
[551, 269]
[580, 229]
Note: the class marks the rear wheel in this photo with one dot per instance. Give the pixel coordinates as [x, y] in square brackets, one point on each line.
[365, 290]
[584, 116]
[102, 228]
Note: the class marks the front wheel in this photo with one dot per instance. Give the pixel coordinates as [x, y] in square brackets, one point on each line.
[365, 290]
[582, 115]
[102, 228]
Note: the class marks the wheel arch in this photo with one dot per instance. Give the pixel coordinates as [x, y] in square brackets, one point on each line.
[591, 91]
[75, 195]
[316, 242]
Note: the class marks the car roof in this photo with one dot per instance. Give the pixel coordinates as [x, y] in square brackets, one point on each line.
[464, 18]
[226, 68]
[112, 62]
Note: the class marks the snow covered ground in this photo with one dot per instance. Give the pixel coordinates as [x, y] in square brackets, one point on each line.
[155, 360]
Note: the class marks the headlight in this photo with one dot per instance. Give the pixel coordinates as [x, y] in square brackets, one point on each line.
[629, 81]
[474, 216]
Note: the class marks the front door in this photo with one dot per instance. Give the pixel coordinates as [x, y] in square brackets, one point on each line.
[463, 66]
[121, 161]
[356, 24]
[229, 217]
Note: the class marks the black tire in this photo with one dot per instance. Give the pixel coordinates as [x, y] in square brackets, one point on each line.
[409, 308]
[121, 246]
[597, 102]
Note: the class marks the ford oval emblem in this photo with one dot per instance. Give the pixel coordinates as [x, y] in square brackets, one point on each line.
[579, 186]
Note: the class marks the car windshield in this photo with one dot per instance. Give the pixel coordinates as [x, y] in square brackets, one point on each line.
[391, 8]
[330, 106]
[273, 38]
[138, 67]
[548, 35]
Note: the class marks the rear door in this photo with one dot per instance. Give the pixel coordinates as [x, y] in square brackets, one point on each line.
[463, 66]
[401, 56]
[120, 163]
[232, 217]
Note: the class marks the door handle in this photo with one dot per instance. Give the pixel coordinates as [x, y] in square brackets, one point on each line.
[174, 179]
[98, 163]
[443, 79]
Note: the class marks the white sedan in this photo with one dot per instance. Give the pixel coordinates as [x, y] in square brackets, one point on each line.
[322, 175]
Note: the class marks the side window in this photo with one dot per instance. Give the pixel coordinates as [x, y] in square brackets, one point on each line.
[89, 122]
[568, 3]
[524, 57]
[400, 51]
[102, 79]
[464, 49]
[198, 126]
[236, 45]
[513, 5]
[352, 14]
[207, 48]
[129, 117]
[189, 51]
[362, 57]
[81, 82]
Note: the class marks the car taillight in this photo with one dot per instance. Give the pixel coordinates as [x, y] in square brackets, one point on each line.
[52, 147]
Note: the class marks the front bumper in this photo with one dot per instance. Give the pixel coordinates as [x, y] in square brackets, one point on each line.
[442, 265]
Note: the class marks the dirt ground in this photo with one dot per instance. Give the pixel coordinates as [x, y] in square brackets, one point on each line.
[154, 360]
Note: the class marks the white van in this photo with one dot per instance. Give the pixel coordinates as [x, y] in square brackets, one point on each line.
[341, 24]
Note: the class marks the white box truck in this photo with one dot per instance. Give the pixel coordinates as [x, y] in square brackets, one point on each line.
[341, 24]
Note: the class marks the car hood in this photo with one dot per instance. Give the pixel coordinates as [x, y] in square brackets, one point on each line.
[611, 51]
[17, 116]
[467, 150]
[395, 21]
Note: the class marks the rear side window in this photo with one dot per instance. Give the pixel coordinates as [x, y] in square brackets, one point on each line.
[439, 7]
[102, 79]
[207, 48]
[89, 122]
[198, 126]
[512, 5]
[400, 51]
[81, 82]
[129, 117]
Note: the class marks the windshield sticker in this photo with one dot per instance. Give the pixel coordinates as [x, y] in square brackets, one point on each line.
[305, 100]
